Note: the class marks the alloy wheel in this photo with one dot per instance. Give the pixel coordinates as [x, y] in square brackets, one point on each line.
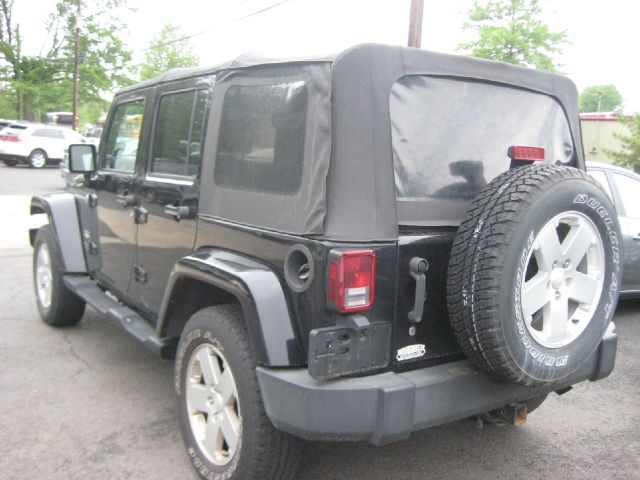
[563, 281]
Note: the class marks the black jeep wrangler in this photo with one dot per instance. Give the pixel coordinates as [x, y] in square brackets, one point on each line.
[340, 248]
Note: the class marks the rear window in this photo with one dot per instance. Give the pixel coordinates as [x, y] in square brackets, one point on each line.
[13, 130]
[451, 137]
[261, 139]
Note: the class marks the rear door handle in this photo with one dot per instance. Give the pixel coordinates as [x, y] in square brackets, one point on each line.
[177, 211]
[417, 268]
[125, 199]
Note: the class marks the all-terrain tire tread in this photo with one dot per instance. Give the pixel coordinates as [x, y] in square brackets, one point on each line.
[473, 272]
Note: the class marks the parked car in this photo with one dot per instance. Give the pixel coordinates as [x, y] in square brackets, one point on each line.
[623, 187]
[35, 144]
[352, 247]
[92, 134]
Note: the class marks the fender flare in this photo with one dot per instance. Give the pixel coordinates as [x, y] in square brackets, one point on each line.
[62, 212]
[259, 293]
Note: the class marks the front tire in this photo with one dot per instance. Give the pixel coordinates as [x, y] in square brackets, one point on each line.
[38, 159]
[58, 306]
[225, 428]
[10, 163]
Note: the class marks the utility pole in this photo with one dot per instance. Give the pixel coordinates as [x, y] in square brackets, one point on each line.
[76, 66]
[415, 23]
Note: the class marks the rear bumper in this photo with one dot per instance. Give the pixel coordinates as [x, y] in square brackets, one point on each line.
[389, 406]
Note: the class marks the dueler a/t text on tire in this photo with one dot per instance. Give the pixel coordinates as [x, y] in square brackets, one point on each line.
[226, 430]
[534, 273]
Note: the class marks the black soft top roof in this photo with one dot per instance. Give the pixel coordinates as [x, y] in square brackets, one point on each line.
[358, 200]
[243, 61]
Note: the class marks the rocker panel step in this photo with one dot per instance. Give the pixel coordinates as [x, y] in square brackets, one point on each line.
[131, 321]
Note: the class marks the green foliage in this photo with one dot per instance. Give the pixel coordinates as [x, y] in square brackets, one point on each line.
[90, 112]
[170, 49]
[629, 156]
[607, 96]
[39, 84]
[511, 31]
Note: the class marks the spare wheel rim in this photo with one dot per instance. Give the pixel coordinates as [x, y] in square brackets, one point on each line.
[562, 283]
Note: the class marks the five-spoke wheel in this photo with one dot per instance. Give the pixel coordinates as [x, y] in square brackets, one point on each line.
[563, 279]
[212, 400]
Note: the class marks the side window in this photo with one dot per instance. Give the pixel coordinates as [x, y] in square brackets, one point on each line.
[48, 133]
[179, 133]
[628, 189]
[261, 139]
[601, 178]
[122, 143]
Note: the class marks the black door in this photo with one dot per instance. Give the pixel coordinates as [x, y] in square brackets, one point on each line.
[113, 186]
[168, 191]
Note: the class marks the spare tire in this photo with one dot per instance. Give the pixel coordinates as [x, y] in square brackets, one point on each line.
[534, 273]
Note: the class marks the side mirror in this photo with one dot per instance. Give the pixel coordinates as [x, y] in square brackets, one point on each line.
[82, 158]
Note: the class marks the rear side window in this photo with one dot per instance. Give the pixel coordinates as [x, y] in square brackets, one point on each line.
[601, 178]
[48, 133]
[179, 132]
[261, 137]
[451, 137]
[628, 190]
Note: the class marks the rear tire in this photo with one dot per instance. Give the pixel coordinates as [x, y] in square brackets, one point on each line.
[10, 163]
[225, 428]
[58, 306]
[38, 158]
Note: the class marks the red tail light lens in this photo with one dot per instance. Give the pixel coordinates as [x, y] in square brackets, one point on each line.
[7, 138]
[351, 284]
[527, 154]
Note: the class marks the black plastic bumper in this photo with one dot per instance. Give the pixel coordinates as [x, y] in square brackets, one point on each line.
[389, 406]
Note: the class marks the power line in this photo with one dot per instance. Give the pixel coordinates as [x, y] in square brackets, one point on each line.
[211, 29]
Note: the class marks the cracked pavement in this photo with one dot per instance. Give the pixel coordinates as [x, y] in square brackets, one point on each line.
[90, 402]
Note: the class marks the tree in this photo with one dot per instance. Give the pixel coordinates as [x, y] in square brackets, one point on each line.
[170, 49]
[42, 83]
[629, 156]
[511, 31]
[600, 98]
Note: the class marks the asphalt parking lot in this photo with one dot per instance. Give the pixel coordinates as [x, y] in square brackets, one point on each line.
[90, 402]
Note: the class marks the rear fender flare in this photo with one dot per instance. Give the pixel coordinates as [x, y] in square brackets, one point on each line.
[62, 213]
[259, 293]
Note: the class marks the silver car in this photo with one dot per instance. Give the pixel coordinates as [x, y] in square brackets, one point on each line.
[623, 186]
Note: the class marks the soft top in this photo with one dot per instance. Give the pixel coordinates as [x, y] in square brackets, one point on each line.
[353, 195]
[243, 61]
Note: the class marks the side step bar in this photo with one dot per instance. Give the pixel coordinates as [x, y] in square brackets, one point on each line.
[131, 321]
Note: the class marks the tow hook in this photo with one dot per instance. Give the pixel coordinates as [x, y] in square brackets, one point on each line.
[515, 414]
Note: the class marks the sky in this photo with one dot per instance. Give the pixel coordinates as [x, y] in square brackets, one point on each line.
[602, 35]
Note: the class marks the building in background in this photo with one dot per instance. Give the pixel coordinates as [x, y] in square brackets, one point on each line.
[598, 131]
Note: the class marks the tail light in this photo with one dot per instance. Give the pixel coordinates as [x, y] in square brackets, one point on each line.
[8, 138]
[351, 283]
[526, 154]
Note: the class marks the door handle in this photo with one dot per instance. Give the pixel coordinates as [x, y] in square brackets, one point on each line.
[417, 268]
[178, 212]
[125, 199]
